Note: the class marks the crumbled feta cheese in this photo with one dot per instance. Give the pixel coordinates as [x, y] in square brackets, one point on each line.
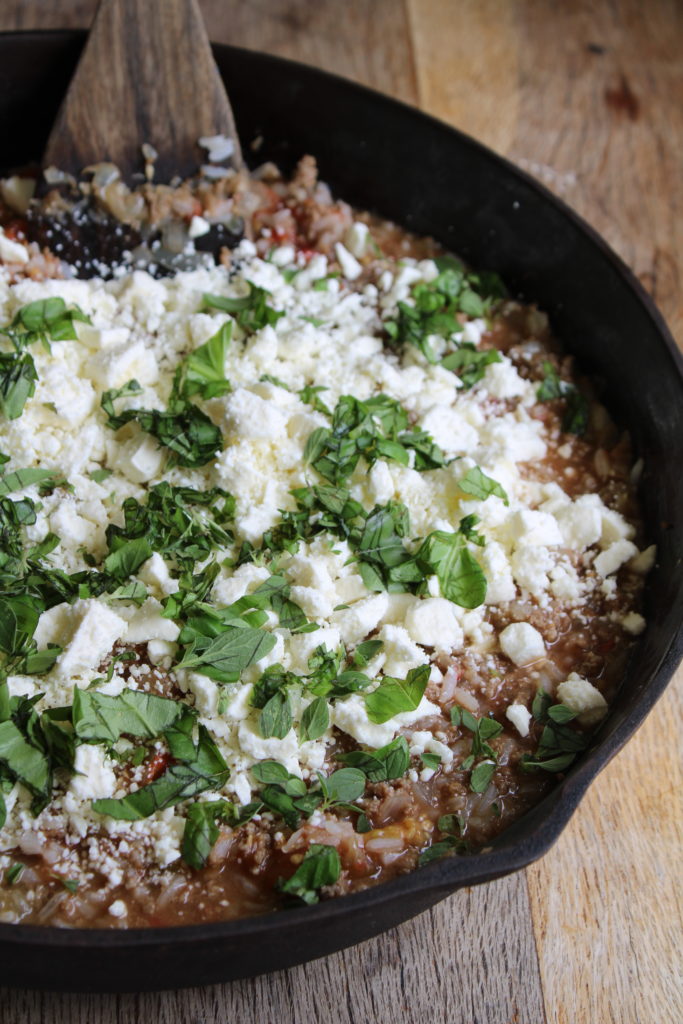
[522, 643]
[608, 561]
[583, 698]
[520, 718]
[434, 622]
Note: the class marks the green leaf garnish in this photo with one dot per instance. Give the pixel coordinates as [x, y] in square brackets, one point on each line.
[481, 486]
[394, 696]
[321, 866]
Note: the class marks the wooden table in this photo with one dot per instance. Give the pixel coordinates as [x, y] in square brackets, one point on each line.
[587, 96]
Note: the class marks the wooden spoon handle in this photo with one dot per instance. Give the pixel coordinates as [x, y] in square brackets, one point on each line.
[146, 74]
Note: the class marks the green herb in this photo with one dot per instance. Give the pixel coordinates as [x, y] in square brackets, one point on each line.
[203, 769]
[98, 476]
[575, 420]
[320, 867]
[452, 827]
[183, 428]
[14, 872]
[276, 717]
[315, 720]
[559, 745]
[203, 372]
[437, 303]
[470, 363]
[201, 830]
[224, 657]
[252, 311]
[389, 762]
[44, 320]
[22, 478]
[376, 428]
[481, 486]
[394, 696]
[365, 652]
[430, 760]
[342, 787]
[310, 395]
[18, 378]
[176, 522]
[99, 718]
[481, 776]
[24, 761]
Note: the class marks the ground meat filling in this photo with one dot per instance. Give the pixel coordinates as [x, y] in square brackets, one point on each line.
[492, 741]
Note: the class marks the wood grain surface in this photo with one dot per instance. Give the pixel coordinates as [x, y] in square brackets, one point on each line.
[588, 97]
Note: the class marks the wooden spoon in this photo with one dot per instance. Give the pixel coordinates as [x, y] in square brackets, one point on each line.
[146, 75]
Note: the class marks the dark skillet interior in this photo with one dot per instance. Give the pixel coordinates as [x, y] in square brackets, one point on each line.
[382, 155]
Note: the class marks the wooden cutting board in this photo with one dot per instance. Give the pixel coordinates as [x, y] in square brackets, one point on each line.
[588, 98]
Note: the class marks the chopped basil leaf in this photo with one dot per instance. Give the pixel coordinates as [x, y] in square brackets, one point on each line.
[315, 720]
[176, 522]
[252, 311]
[343, 786]
[98, 476]
[276, 717]
[430, 760]
[183, 428]
[223, 657]
[24, 761]
[18, 378]
[469, 363]
[394, 696]
[22, 478]
[201, 830]
[206, 770]
[14, 872]
[100, 718]
[575, 420]
[481, 486]
[375, 428]
[437, 303]
[481, 776]
[321, 866]
[311, 396]
[203, 372]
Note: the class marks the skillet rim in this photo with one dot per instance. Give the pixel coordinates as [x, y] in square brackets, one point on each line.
[518, 846]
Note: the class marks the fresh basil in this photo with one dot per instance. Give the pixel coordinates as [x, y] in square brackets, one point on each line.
[24, 761]
[204, 769]
[315, 720]
[395, 696]
[552, 387]
[203, 371]
[251, 311]
[389, 762]
[469, 363]
[276, 717]
[224, 657]
[183, 428]
[201, 830]
[320, 867]
[100, 718]
[479, 485]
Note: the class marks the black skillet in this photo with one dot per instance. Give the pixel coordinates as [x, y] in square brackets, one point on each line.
[382, 155]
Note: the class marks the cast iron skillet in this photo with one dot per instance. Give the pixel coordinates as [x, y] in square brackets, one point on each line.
[382, 155]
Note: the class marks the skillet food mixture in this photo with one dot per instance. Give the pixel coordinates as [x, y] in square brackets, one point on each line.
[317, 564]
